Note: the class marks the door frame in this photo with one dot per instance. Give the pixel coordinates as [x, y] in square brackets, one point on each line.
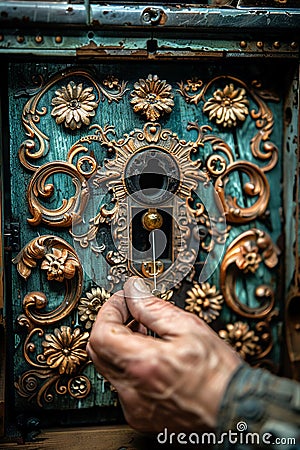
[143, 32]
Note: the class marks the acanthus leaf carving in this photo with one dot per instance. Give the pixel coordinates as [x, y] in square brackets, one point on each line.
[34, 302]
[74, 103]
[38, 188]
[244, 255]
[257, 186]
[230, 107]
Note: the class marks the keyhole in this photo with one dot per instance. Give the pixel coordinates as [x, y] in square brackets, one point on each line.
[152, 180]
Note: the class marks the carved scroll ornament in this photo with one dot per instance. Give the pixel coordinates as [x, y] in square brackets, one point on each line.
[82, 163]
[229, 107]
[74, 105]
[60, 261]
[63, 350]
[243, 256]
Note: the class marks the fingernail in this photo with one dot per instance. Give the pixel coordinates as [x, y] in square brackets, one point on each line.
[141, 286]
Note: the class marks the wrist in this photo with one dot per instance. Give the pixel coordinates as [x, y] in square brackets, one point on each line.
[260, 402]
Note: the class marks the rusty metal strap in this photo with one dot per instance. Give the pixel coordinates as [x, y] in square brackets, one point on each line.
[30, 13]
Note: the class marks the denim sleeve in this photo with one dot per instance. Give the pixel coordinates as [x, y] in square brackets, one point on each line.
[259, 410]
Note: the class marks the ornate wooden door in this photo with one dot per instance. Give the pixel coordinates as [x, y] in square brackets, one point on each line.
[211, 137]
[135, 144]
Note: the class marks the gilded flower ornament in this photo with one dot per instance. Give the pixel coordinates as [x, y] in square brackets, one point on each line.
[152, 97]
[59, 265]
[193, 85]
[248, 259]
[205, 301]
[227, 107]
[111, 82]
[241, 338]
[74, 105]
[89, 306]
[64, 350]
[114, 257]
[79, 386]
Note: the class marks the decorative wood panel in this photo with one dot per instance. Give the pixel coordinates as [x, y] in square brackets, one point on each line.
[80, 137]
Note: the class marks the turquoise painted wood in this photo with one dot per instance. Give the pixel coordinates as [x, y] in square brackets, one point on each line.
[101, 403]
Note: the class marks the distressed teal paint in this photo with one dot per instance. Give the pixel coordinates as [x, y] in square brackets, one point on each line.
[124, 119]
[99, 44]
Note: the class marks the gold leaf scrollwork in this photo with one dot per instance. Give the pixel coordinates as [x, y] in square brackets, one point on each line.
[113, 89]
[86, 164]
[74, 105]
[63, 265]
[214, 227]
[243, 256]
[230, 107]
[62, 358]
[220, 167]
[38, 188]
[113, 176]
[257, 186]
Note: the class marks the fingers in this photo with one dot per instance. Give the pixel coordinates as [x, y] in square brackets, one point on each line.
[111, 343]
[115, 310]
[158, 315]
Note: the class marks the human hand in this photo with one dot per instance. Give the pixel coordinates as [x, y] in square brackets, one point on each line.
[177, 381]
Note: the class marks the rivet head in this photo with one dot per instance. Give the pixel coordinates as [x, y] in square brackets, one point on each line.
[276, 44]
[294, 45]
[39, 39]
[58, 39]
[243, 44]
[259, 44]
[20, 39]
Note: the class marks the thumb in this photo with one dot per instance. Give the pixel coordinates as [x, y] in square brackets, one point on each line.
[156, 314]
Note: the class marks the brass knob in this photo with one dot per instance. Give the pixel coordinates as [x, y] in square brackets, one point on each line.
[152, 220]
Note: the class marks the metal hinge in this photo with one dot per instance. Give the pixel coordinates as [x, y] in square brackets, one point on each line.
[12, 237]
